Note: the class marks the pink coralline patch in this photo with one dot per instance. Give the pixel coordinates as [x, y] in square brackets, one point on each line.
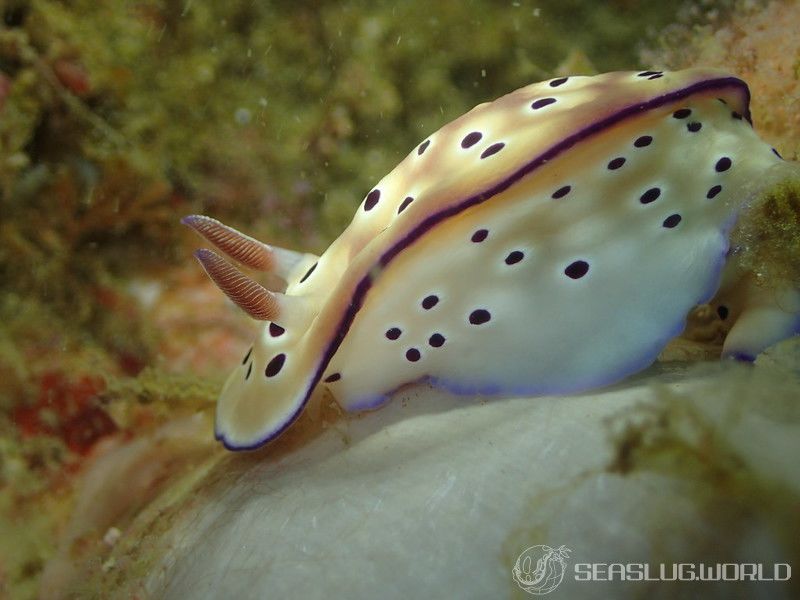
[66, 408]
[191, 316]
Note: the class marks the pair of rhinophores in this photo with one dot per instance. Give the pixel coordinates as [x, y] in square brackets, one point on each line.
[551, 241]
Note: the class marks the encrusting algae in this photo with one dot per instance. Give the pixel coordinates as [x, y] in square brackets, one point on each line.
[769, 235]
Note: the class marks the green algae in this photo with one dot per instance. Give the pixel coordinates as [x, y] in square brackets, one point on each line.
[770, 234]
[265, 110]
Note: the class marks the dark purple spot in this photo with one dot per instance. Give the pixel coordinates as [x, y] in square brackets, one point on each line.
[393, 333]
[650, 195]
[246, 356]
[577, 269]
[616, 163]
[413, 355]
[541, 103]
[561, 192]
[430, 301]
[436, 340]
[694, 126]
[714, 191]
[479, 316]
[723, 164]
[276, 330]
[681, 113]
[333, 377]
[493, 149]
[776, 153]
[743, 357]
[249, 371]
[656, 76]
[275, 365]
[558, 82]
[672, 221]
[471, 139]
[309, 272]
[514, 257]
[736, 116]
[372, 199]
[404, 204]
[722, 312]
[480, 235]
[423, 146]
[643, 141]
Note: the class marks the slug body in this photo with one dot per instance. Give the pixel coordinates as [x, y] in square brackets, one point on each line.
[551, 241]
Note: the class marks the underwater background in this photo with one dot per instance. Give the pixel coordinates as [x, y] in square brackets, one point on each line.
[118, 117]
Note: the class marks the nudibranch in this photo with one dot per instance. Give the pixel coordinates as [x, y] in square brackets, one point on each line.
[551, 241]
